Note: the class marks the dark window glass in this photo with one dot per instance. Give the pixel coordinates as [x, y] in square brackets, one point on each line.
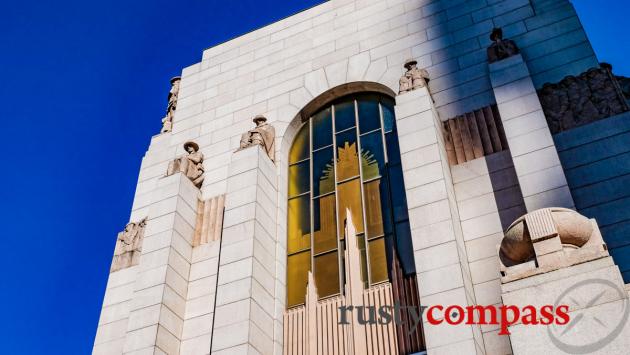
[388, 115]
[399, 199]
[299, 216]
[327, 274]
[299, 178]
[393, 151]
[369, 115]
[347, 158]
[298, 266]
[300, 147]
[322, 129]
[323, 172]
[324, 224]
[372, 157]
[405, 247]
[344, 115]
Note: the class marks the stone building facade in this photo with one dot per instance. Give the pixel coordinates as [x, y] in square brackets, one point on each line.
[415, 126]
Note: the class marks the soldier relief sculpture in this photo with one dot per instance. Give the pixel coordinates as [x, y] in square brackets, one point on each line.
[414, 78]
[128, 246]
[263, 135]
[501, 48]
[575, 101]
[167, 121]
[190, 164]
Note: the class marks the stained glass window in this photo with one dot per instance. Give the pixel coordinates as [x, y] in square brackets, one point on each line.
[346, 157]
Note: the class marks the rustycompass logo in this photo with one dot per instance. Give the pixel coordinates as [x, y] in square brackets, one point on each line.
[582, 297]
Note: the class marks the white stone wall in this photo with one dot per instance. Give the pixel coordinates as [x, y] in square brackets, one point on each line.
[277, 70]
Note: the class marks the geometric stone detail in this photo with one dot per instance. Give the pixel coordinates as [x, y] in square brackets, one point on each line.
[209, 220]
[474, 135]
[540, 225]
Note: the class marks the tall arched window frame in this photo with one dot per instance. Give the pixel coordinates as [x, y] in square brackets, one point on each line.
[346, 156]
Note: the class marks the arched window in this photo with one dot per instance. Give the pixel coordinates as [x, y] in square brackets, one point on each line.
[346, 156]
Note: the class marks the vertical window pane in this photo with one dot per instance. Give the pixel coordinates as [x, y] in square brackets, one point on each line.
[299, 217]
[378, 261]
[324, 224]
[300, 147]
[374, 208]
[344, 115]
[388, 115]
[327, 274]
[299, 178]
[350, 198]
[369, 115]
[362, 253]
[322, 129]
[323, 172]
[347, 157]
[399, 199]
[393, 150]
[372, 156]
[298, 266]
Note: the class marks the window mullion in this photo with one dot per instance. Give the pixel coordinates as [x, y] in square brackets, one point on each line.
[363, 214]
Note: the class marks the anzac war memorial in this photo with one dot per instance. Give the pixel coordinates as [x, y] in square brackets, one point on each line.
[436, 177]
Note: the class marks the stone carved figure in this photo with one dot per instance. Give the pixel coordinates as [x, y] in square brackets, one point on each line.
[414, 78]
[190, 164]
[501, 48]
[605, 92]
[624, 85]
[128, 246]
[263, 134]
[561, 117]
[576, 101]
[579, 93]
[167, 121]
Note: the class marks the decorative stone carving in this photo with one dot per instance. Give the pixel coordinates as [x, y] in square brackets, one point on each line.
[190, 164]
[576, 101]
[209, 224]
[263, 135]
[128, 246]
[624, 85]
[572, 228]
[167, 121]
[414, 78]
[501, 48]
[549, 239]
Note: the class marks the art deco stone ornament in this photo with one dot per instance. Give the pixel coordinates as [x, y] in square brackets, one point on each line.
[501, 48]
[263, 134]
[575, 101]
[167, 121]
[128, 246]
[414, 78]
[549, 239]
[190, 164]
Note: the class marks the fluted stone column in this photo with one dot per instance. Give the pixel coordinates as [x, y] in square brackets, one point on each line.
[244, 319]
[536, 160]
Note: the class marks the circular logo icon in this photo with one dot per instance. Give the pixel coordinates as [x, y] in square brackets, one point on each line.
[602, 330]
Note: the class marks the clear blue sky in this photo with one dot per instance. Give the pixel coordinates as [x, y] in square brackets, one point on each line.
[84, 89]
